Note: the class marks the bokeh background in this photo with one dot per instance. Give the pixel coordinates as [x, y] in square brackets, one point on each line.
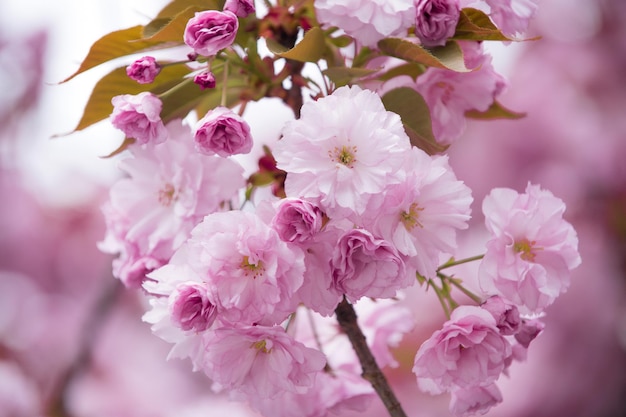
[71, 339]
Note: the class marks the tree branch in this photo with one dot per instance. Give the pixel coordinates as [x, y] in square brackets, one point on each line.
[346, 316]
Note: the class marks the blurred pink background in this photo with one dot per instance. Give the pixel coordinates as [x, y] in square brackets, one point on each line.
[71, 339]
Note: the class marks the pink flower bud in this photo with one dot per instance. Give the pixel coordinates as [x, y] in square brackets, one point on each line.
[205, 80]
[506, 315]
[191, 307]
[144, 70]
[364, 266]
[297, 220]
[222, 132]
[529, 330]
[139, 117]
[210, 31]
[241, 8]
[436, 20]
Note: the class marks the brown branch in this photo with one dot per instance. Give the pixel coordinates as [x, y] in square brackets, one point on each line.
[346, 316]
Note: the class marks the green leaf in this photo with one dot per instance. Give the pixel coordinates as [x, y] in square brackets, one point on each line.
[413, 111]
[176, 6]
[115, 83]
[174, 29]
[447, 57]
[476, 25]
[495, 111]
[411, 69]
[341, 41]
[309, 49]
[114, 45]
[343, 76]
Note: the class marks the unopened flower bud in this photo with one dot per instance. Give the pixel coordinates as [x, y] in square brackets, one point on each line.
[144, 70]
[205, 80]
[241, 8]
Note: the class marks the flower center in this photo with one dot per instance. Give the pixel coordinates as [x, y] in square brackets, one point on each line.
[167, 194]
[525, 247]
[256, 270]
[345, 156]
[410, 218]
[261, 346]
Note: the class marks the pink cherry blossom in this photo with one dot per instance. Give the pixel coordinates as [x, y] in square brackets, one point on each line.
[297, 220]
[532, 248]
[344, 148]
[466, 402]
[253, 274]
[436, 20]
[421, 215]
[139, 117]
[468, 352]
[144, 70]
[363, 265]
[450, 94]
[261, 362]
[241, 8]
[169, 189]
[367, 21]
[210, 31]
[182, 307]
[222, 132]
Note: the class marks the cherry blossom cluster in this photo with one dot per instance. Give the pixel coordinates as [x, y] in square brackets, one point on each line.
[248, 293]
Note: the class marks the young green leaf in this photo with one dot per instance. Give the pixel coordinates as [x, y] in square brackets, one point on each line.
[415, 115]
[476, 25]
[114, 45]
[309, 49]
[174, 29]
[449, 56]
[495, 111]
[342, 76]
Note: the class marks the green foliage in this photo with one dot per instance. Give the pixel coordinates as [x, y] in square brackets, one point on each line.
[309, 49]
[170, 30]
[476, 26]
[413, 111]
[343, 76]
[495, 111]
[114, 45]
[446, 57]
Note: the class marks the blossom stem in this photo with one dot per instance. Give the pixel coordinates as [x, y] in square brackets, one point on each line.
[346, 316]
[224, 85]
[457, 284]
[441, 297]
[452, 262]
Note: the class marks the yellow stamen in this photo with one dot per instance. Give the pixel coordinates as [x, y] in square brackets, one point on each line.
[345, 156]
[410, 218]
[255, 269]
[167, 194]
[525, 247]
[261, 346]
